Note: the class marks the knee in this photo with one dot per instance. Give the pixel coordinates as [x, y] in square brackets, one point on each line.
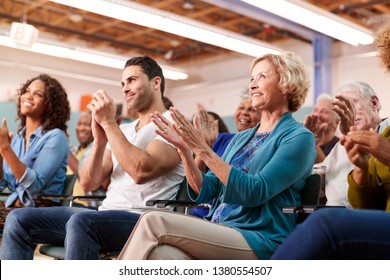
[168, 252]
[326, 218]
[151, 215]
[17, 215]
[79, 221]
[16, 222]
[152, 218]
[155, 222]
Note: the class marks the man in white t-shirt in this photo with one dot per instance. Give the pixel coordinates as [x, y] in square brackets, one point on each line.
[357, 104]
[140, 165]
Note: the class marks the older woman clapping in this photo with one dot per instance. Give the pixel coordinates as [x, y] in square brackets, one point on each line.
[263, 169]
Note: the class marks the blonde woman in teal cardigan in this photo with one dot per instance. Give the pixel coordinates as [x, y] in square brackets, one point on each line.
[262, 170]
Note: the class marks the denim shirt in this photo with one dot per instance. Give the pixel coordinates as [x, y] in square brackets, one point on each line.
[45, 159]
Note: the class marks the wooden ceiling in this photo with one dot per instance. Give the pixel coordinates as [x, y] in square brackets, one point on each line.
[72, 25]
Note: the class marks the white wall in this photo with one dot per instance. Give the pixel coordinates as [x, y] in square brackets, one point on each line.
[363, 64]
[227, 78]
[216, 84]
[17, 66]
[223, 80]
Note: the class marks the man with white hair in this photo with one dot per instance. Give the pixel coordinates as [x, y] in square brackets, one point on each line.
[323, 122]
[356, 104]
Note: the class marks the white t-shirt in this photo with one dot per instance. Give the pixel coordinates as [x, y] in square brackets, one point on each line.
[337, 166]
[123, 193]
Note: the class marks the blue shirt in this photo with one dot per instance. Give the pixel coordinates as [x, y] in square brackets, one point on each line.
[219, 147]
[241, 161]
[45, 159]
[276, 176]
[221, 143]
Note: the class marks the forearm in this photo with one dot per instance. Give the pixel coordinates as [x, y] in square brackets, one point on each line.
[219, 167]
[138, 163]
[192, 172]
[92, 175]
[17, 167]
[320, 154]
[202, 167]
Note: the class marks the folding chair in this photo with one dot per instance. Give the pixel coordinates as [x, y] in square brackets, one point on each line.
[309, 198]
[58, 251]
[182, 203]
[66, 196]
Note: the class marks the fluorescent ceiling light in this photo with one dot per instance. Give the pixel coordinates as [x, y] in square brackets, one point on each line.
[318, 19]
[85, 55]
[157, 19]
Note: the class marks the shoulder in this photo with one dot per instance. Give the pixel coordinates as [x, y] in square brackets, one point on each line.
[291, 126]
[384, 125]
[55, 139]
[55, 133]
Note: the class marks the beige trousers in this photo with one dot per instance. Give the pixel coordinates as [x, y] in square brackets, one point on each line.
[172, 236]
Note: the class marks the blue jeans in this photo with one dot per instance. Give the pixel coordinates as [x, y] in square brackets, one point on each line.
[85, 232]
[339, 234]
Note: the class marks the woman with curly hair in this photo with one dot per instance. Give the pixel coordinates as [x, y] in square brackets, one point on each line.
[34, 160]
[382, 41]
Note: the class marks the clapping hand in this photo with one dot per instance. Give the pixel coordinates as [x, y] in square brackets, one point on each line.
[356, 155]
[181, 133]
[371, 142]
[207, 128]
[344, 107]
[312, 123]
[5, 136]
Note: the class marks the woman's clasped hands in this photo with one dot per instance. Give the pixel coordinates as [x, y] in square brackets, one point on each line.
[180, 133]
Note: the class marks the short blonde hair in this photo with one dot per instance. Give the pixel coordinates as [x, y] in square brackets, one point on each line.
[382, 40]
[293, 77]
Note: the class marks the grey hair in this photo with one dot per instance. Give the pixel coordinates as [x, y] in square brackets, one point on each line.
[359, 87]
[325, 96]
[244, 94]
[328, 97]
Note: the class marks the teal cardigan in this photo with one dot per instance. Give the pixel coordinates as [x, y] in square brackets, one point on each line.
[276, 177]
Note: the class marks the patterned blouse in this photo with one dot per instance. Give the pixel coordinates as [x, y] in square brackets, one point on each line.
[242, 162]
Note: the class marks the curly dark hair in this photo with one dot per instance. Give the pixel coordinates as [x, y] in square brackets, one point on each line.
[57, 105]
[382, 40]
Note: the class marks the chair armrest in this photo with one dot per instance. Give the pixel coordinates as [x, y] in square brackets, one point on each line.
[162, 203]
[56, 196]
[180, 203]
[152, 202]
[5, 194]
[305, 209]
[89, 197]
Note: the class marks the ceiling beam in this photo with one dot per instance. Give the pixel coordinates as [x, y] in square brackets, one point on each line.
[264, 16]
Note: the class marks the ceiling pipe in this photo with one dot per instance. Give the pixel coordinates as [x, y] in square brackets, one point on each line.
[264, 16]
[353, 6]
